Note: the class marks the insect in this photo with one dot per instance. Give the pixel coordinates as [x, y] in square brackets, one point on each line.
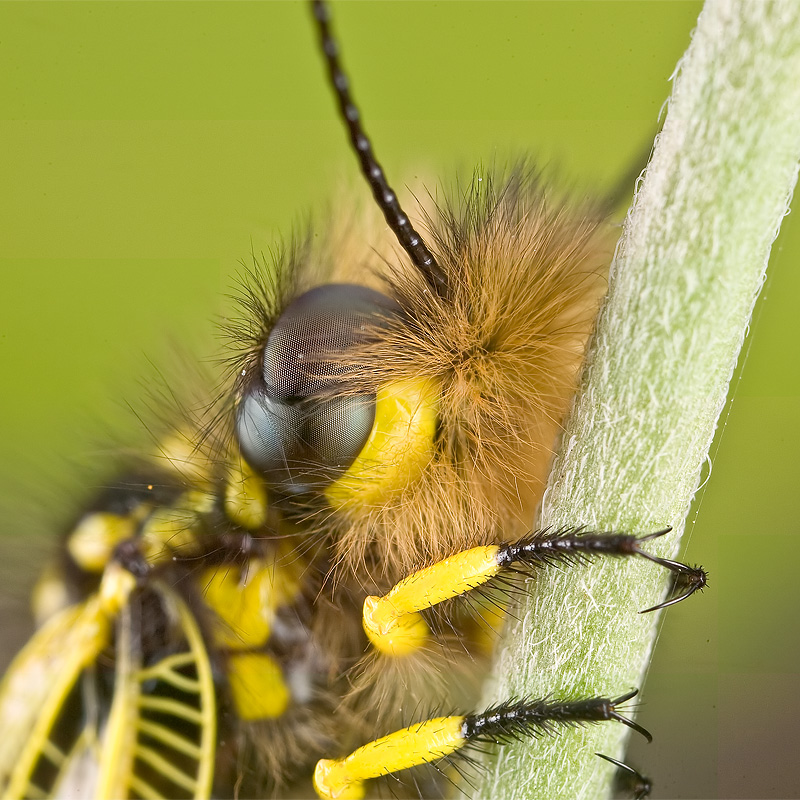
[214, 591]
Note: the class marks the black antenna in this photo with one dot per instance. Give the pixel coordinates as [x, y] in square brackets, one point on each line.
[385, 197]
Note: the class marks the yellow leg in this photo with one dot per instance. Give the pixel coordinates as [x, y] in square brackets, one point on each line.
[393, 622]
[343, 779]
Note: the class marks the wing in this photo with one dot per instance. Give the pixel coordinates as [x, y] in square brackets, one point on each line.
[160, 740]
[156, 740]
[35, 694]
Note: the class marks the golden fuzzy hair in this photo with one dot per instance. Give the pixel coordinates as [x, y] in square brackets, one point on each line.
[525, 271]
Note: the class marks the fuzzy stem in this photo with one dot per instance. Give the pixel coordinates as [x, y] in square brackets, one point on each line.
[684, 280]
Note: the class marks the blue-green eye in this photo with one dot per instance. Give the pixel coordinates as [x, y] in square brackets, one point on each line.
[291, 424]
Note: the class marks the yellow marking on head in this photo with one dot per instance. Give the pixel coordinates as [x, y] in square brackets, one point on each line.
[245, 496]
[399, 446]
[257, 685]
[393, 623]
[96, 535]
[343, 778]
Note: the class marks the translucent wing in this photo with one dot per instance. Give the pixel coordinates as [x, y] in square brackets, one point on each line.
[158, 737]
[35, 693]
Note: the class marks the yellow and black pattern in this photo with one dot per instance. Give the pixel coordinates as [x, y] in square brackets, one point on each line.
[269, 603]
[157, 624]
[219, 623]
[154, 737]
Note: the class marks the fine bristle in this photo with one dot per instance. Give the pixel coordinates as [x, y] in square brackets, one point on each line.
[526, 272]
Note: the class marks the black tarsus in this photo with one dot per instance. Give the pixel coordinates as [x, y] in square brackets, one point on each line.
[630, 780]
[685, 579]
[385, 197]
[519, 719]
[570, 545]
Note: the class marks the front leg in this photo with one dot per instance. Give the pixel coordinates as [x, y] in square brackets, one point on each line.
[395, 626]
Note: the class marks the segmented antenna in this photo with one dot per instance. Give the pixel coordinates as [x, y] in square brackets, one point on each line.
[385, 197]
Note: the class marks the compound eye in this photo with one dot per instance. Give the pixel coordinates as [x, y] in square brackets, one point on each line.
[303, 446]
[302, 426]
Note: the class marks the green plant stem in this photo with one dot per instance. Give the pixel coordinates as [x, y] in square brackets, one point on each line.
[686, 274]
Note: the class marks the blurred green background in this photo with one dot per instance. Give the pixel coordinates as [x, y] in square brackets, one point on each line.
[148, 146]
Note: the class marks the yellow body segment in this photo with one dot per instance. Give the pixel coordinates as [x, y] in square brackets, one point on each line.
[343, 778]
[243, 601]
[115, 589]
[95, 537]
[172, 528]
[398, 448]
[257, 684]
[245, 496]
[393, 623]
